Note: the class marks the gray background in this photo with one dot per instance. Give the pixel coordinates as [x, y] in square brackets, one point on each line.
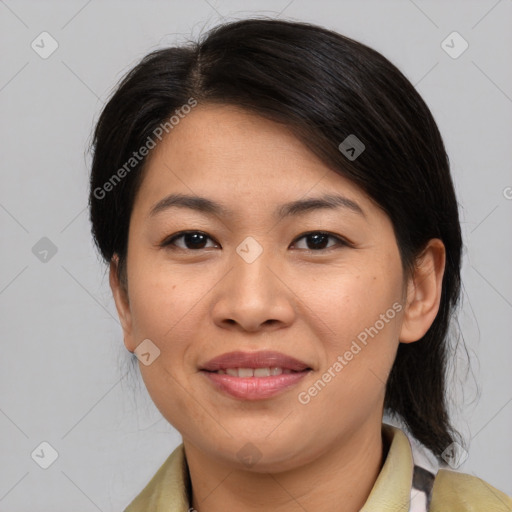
[64, 372]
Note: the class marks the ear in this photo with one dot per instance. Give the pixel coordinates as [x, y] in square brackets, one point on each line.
[120, 294]
[424, 292]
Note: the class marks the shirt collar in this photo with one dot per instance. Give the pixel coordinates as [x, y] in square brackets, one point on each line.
[168, 490]
[392, 489]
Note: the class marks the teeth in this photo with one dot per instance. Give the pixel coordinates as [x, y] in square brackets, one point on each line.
[253, 372]
[245, 372]
[262, 372]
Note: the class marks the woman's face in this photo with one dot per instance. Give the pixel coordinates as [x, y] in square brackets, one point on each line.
[251, 281]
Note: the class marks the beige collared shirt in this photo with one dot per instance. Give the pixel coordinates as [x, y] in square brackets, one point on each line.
[393, 491]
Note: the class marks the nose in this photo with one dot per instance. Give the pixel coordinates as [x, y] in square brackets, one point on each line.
[254, 295]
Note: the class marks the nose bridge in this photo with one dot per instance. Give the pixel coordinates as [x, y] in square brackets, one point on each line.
[252, 294]
[252, 261]
[250, 250]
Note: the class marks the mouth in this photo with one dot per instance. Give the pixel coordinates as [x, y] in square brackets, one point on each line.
[254, 376]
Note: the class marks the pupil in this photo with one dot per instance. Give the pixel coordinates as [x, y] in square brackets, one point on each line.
[195, 240]
[316, 238]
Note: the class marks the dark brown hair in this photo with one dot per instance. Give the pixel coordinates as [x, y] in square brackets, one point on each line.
[324, 87]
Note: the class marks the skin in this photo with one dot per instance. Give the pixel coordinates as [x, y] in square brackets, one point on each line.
[195, 304]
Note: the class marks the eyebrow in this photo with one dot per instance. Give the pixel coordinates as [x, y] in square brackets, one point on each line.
[301, 206]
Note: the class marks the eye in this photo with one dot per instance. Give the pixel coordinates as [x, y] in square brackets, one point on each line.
[192, 239]
[319, 239]
[196, 240]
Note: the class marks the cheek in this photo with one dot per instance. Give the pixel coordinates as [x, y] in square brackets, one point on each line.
[356, 312]
[163, 297]
[164, 304]
[352, 297]
[170, 394]
[359, 347]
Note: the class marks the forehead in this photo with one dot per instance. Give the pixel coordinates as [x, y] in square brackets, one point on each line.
[235, 156]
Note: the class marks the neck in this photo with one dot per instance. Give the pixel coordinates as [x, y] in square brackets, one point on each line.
[343, 473]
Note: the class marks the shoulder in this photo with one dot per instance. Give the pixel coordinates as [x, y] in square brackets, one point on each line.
[461, 492]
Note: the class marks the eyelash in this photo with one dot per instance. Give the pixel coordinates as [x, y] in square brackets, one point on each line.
[169, 241]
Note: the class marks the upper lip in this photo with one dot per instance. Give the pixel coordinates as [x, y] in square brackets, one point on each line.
[262, 359]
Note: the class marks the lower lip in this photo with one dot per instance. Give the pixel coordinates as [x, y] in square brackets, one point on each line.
[254, 388]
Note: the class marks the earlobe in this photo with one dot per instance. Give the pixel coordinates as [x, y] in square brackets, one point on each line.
[120, 295]
[424, 291]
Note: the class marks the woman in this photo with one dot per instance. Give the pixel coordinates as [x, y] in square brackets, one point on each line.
[277, 210]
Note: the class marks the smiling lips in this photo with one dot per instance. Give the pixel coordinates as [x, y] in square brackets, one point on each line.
[256, 375]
